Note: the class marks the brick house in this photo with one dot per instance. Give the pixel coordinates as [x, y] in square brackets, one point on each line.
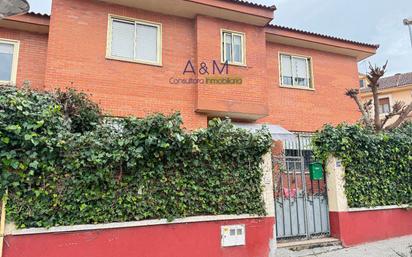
[131, 55]
[204, 58]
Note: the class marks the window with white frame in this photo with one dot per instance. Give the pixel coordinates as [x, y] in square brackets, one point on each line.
[8, 61]
[362, 83]
[233, 47]
[295, 71]
[135, 40]
[384, 105]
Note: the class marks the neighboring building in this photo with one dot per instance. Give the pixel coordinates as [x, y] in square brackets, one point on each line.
[396, 88]
[130, 55]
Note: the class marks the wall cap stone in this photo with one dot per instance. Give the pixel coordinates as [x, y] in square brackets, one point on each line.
[378, 208]
[11, 230]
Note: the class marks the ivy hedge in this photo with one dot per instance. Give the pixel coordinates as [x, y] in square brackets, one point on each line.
[378, 166]
[63, 164]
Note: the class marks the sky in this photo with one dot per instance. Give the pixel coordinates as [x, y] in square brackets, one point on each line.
[369, 21]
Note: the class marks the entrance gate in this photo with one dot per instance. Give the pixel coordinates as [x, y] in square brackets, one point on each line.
[301, 205]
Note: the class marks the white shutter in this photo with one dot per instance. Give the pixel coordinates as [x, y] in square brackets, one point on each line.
[300, 71]
[6, 61]
[286, 65]
[146, 42]
[123, 36]
[300, 66]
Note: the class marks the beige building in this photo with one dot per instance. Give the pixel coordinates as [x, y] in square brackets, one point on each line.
[391, 90]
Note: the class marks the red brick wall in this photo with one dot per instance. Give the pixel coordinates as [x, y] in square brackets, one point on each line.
[76, 57]
[251, 96]
[32, 55]
[304, 110]
[77, 51]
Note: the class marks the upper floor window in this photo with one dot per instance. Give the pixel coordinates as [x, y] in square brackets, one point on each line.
[8, 61]
[295, 71]
[384, 105]
[362, 83]
[233, 47]
[134, 40]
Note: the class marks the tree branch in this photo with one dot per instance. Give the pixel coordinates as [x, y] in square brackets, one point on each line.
[374, 76]
[403, 114]
[354, 94]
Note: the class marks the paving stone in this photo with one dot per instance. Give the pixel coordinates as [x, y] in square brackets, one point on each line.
[398, 247]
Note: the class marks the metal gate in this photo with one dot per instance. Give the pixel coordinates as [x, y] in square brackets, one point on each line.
[301, 205]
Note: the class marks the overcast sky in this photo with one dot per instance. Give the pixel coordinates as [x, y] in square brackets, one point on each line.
[370, 21]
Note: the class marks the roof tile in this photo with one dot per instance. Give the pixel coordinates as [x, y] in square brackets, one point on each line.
[395, 81]
[321, 35]
[39, 14]
[272, 7]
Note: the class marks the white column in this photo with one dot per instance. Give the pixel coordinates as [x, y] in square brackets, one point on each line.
[267, 182]
[335, 173]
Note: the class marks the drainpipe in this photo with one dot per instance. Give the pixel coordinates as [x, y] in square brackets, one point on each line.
[3, 223]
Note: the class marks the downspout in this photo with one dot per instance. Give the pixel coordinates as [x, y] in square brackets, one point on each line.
[3, 223]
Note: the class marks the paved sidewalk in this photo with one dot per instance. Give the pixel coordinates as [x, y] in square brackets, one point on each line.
[398, 247]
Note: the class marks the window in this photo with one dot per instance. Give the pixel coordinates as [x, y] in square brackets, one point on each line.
[295, 71]
[133, 40]
[233, 47]
[361, 83]
[300, 147]
[9, 51]
[384, 105]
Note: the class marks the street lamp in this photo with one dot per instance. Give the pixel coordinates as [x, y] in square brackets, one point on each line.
[408, 22]
[13, 7]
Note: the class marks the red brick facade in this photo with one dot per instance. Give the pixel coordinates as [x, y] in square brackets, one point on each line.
[32, 55]
[76, 57]
[305, 110]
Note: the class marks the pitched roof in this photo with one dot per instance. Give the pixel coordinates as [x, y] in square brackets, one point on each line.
[395, 81]
[243, 2]
[322, 35]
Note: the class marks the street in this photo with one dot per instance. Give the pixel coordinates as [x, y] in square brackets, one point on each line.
[398, 247]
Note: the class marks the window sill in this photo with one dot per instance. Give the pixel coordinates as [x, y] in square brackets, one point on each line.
[235, 64]
[298, 87]
[134, 61]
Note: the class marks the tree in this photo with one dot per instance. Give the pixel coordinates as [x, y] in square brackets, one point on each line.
[399, 109]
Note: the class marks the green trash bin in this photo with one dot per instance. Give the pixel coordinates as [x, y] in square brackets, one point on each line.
[316, 171]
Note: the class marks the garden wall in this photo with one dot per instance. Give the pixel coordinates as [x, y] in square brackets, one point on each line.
[361, 225]
[358, 226]
[200, 237]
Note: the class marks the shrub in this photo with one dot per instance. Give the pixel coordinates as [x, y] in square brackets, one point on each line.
[378, 165]
[82, 113]
[125, 169]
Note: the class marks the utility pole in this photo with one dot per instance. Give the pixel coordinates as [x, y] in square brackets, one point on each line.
[13, 7]
[408, 22]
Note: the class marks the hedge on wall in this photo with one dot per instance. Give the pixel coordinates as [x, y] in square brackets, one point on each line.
[378, 166]
[121, 169]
